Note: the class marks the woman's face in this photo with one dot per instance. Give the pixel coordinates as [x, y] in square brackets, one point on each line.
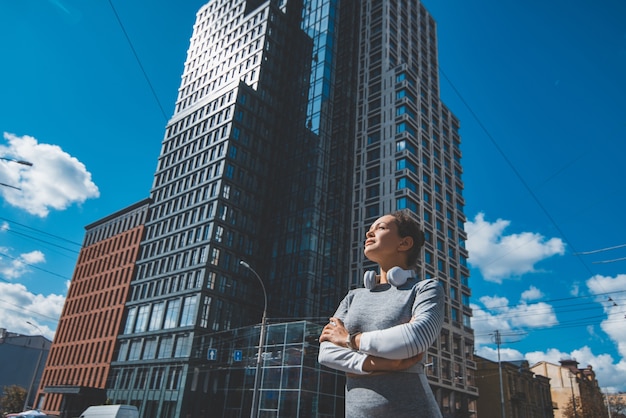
[382, 240]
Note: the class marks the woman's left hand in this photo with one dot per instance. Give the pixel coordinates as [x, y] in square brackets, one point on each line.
[335, 332]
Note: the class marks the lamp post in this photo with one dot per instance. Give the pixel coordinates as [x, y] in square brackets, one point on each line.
[32, 380]
[254, 411]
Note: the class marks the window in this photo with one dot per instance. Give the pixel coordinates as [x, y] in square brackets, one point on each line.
[454, 313]
[135, 350]
[156, 319]
[130, 321]
[405, 183]
[189, 309]
[182, 347]
[171, 315]
[149, 351]
[142, 318]
[405, 203]
[165, 347]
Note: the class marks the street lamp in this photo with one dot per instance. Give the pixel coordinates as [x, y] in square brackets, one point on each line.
[32, 380]
[254, 412]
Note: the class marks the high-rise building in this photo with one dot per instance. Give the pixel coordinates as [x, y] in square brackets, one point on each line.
[245, 173]
[408, 156]
[85, 341]
[297, 123]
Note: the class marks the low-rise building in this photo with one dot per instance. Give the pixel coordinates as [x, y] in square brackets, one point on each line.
[22, 361]
[575, 392]
[511, 389]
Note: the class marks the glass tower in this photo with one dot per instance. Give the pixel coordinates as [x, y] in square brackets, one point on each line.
[249, 171]
[408, 156]
[297, 123]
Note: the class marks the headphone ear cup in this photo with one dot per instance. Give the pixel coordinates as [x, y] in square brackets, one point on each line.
[369, 279]
[398, 276]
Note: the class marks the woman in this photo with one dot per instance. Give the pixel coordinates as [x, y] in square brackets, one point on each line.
[378, 333]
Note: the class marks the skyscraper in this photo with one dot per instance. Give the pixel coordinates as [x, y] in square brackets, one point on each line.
[297, 123]
[407, 155]
[244, 174]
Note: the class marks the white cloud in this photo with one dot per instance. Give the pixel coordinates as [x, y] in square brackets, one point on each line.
[614, 324]
[532, 294]
[608, 373]
[56, 180]
[18, 306]
[499, 256]
[512, 321]
[14, 267]
[506, 354]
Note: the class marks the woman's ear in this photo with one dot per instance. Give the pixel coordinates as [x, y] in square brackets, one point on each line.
[406, 244]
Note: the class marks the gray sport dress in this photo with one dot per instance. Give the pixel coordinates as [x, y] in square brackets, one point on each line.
[396, 322]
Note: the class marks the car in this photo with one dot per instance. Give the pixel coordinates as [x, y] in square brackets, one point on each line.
[111, 411]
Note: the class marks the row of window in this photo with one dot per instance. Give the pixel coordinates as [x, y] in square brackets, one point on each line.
[75, 375]
[77, 302]
[173, 313]
[123, 223]
[81, 353]
[147, 378]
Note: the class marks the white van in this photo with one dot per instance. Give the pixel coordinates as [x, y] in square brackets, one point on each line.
[111, 411]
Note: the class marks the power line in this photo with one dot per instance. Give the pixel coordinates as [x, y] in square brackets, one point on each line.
[34, 266]
[145, 74]
[41, 232]
[514, 169]
[601, 250]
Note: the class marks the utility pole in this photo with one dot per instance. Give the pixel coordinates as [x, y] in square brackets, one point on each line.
[498, 341]
[571, 383]
[608, 403]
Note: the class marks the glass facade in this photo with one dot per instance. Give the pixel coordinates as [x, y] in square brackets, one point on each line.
[297, 123]
[408, 156]
[247, 171]
[221, 379]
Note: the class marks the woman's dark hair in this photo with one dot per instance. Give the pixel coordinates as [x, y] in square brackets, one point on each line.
[409, 227]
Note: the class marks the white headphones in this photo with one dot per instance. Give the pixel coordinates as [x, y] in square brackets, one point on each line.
[396, 276]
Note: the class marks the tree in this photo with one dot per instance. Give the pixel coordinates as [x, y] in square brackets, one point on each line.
[617, 404]
[13, 399]
[589, 410]
[569, 412]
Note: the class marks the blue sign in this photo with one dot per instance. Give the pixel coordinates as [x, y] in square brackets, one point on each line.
[212, 354]
[237, 355]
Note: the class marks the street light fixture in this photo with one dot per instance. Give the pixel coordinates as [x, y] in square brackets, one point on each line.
[32, 380]
[254, 411]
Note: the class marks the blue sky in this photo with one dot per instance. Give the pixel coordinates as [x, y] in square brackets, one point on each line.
[539, 88]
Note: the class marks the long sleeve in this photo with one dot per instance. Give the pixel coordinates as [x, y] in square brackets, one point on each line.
[342, 359]
[409, 339]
